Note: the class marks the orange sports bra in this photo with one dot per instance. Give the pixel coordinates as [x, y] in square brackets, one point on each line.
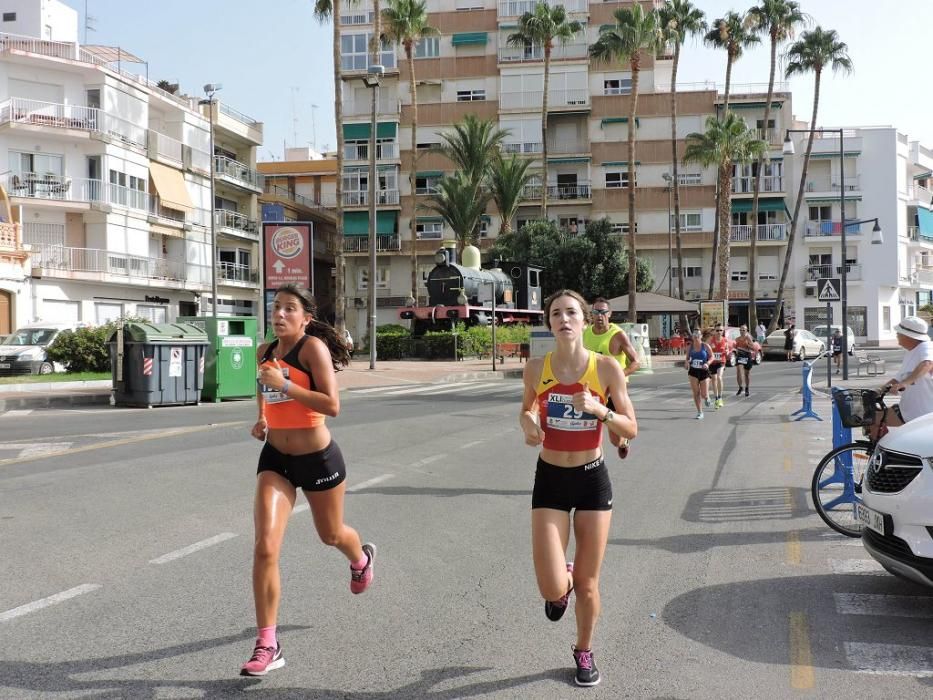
[281, 411]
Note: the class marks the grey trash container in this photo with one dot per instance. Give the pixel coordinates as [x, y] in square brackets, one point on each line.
[157, 364]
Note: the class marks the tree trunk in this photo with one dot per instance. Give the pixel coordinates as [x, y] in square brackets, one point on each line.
[340, 303]
[675, 183]
[725, 183]
[547, 80]
[725, 96]
[753, 249]
[717, 233]
[632, 260]
[413, 90]
[800, 192]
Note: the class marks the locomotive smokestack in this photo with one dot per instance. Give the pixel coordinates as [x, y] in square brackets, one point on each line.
[451, 248]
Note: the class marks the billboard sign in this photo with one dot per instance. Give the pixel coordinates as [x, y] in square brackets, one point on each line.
[287, 255]
[713, 312]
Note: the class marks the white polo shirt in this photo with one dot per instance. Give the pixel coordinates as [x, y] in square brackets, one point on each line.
[917, 399]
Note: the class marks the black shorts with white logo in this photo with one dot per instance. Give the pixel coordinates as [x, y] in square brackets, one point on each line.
[315, 471]
[586, 487]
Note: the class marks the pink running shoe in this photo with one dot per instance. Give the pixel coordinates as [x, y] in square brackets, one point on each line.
[361, 578]
[555, 609]
[263, 660]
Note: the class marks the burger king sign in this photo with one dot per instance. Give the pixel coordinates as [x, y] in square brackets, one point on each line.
[287, 254]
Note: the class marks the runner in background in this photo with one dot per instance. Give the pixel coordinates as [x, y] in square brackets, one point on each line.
[719, 344]
[744, 346]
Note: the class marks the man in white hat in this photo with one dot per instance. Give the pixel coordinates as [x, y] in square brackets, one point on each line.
[915, 378]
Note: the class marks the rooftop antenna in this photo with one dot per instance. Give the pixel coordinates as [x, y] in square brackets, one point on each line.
[88, 22]
[313, 128]
[294, 117]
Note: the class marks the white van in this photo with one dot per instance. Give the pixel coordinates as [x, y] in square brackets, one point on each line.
[23, 352]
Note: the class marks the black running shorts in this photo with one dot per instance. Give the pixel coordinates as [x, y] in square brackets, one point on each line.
[315, 471]
[714, 367]
[699, 373]
[586, 487]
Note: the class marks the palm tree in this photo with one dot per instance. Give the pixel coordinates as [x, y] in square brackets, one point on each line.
[635, 31]
[506, 184]
[812, 53]
[406, 23]
[732, 34]
[541, 28]
[461, 204]
[473, 146]
[324, 9]
[778, 19]
[679, 19]
[724, 142]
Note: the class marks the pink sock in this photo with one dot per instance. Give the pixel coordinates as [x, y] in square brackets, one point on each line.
[361, 564]
[266, 636]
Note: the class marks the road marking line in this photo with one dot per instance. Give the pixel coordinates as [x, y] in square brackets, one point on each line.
[890, 659]
[801, 661]
[301, 508]
[377, 388]
[424, 389]
[369, 482]
[16, 412]
[788, 464]
[793, 548]
[471, 444]
[885, 605]
[856, 566]
[46, 602]
[192, 548]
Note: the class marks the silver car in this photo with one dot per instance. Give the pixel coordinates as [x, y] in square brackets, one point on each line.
[805, 344]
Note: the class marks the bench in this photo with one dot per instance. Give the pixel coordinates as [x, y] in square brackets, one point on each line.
[873, 364]
[519, 350]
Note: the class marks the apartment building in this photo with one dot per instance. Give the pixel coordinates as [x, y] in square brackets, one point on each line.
[888, 176]
[471, 69]
[108, 177]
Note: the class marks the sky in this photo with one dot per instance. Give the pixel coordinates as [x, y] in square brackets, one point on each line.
[275, 60]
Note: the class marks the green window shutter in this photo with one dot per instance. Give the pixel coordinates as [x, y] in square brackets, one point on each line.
[385, 222]
[617, 163]
[618, 120]
[356, 132]
[356, 223]
[429, 173]
[387, 130]
[466, 38]
[764, 204]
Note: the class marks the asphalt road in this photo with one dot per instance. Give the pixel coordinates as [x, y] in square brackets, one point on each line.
[125, 537]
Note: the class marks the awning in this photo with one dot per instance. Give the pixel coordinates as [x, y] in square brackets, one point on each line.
[170, 184]
[359, 132]
[751, 105]
[166, 231]
[925, 221]
[848, 154]
[356, 223]
[565, 161]
[429, 220]
[618, 120]
[923, 176]
[834, 200]
[465, 38]
[429, 173]
[764, 204]
[617, 163]
[387, 130]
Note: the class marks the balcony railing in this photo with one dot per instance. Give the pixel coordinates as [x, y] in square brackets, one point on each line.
[108, 262]
[165, 146]
[235, 170]
[915, 234]
[832, 184]
[531, 99]
[765, 232]
[516, 8]
[357, 198]
[238, 115]
[734, 88]
[241, 223]
[61, 116]
[360, 244]
[924, 275]
[530, 54]
[387, 105]
[746, 184]
[919, 193]
[554, 192]
[815, 272]
[384, 151]
[567, 146]
[528, 147]
[66, 189]
[830, 228]
[285, 193]
[10, 236]
[235, 272]
[157, 209]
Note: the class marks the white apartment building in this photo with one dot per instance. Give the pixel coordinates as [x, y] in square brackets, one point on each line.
[109, 177]
[887, 176]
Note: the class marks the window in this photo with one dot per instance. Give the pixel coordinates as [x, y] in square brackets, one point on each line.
[690, 221]
[858, 319]
[739, 267]
[428, 47]
[36, 163]
[9, 16]
[471, 95]
[356, 150]
[382, 278]
[620, 229]
[427, 145]
[428, 230]
[354, 52]
[690, 178]
[886, 318]
[573, 225]
[153, 314]
[824, 213]
[106, 313]
[617, 86]
[616, 179]
[426, 184]
[689, 271]
[484, 227]
[469, 5]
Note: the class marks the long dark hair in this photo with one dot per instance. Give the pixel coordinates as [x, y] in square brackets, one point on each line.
[339, 353]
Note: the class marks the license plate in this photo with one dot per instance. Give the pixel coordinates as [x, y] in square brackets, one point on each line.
[4, 365]
[871, 519]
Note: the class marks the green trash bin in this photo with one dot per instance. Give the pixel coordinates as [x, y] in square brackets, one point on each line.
[230, 361]
[157, 364]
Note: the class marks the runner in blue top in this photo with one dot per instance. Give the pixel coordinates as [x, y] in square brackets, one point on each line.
[699, 355]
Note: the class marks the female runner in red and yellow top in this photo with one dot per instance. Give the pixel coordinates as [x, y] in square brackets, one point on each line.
[563, 410]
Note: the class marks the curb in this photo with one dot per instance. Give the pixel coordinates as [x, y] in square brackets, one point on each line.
[56, 401]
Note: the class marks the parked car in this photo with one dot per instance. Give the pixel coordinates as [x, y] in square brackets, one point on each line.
[23, 352]
[820, 332]
[731, 334]
[805, 344]
[897, 502]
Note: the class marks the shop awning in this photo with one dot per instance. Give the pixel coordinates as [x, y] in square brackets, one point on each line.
[466, 38]
[166, 231]
[170, 184]
[764, 204]
[359, 132]
[356, 223]
[925, 221]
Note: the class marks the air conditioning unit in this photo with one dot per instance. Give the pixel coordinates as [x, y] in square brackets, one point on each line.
[810, 291]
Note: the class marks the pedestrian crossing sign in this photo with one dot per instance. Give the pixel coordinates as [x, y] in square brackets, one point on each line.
[830, 289]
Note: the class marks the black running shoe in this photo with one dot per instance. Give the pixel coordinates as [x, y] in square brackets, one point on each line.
[554, 610]
[746, 391]
[738, 392]
[587, 673]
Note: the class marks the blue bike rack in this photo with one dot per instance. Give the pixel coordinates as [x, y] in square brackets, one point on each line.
[842, 466]
[806, 411]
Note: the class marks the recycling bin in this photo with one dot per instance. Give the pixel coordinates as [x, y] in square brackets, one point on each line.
[157, 364]
[230, 360]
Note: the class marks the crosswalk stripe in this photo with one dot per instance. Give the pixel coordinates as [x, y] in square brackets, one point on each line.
[470, 389]
[890, 659]
[420, 389]
[375, 389]
[17, 412]
[884, 605]
[855, 566]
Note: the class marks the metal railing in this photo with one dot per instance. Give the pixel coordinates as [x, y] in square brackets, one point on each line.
[816, 229]
[765, 232]
[531, 99]
[235, 272]
[516, 8]
[238, 116]
[745, 184]
[285, 193]
[157, 209]
[104, 261]
[384, 151]
[832, 184]
[62, 116]
[225, 218]
[66, 189]
[529, 147]
[734, 88]
[815, 272]
[579, 191]
[165, 146]
[355, 198]
[235, 170]
[40, 234]
[530, 54]
[360, 244]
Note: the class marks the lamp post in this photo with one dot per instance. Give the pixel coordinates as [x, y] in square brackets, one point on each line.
[876, 237]
[210, 90]
[371, 80]
[670, 241]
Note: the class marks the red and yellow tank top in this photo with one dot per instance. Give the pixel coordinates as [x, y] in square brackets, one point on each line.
[564, 428]
[282, 411]
[719, 348]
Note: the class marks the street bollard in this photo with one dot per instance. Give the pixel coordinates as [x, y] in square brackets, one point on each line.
[806, 391]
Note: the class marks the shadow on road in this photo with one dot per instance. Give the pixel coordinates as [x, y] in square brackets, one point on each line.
[742, 505]
[439, 492]
[702, 542]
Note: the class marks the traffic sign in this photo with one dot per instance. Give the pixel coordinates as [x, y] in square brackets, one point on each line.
[830, 288]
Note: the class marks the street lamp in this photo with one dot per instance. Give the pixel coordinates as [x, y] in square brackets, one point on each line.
[876, 236]
[371, 80]
[670, 241]
[210, 90]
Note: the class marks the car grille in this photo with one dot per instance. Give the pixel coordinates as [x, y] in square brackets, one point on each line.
[15, 367]
[898, 549]
[890, 472]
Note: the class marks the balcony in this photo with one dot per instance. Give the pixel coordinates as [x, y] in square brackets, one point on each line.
[165, 214]
[527, 147]
[815, 272]
[769, 233]
[557, 99]
[237, 173]
[819, 229]
[360, 244]
[11, 239]
[924, 276]
[234, 274]
[235, 224]
[555, 193]
[735, 89]
[384, 151]
[557, 146]
[58, 188]
[516, 8]
[55, 259]
[162, 147]
[745, 184]
[18, 111]
[534, 53]
[360, 198]
[915, 234]
[919, 195]
[274, 190]
[832, 184]
[386, 106]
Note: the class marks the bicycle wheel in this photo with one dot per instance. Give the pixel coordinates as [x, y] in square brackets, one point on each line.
[837, 485]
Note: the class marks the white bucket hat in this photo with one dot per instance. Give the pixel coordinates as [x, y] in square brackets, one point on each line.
[912, 327]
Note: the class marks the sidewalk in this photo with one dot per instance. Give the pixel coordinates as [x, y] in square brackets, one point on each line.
[357, 375]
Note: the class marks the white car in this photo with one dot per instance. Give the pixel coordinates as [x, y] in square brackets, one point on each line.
[897, 502]
[820, 332]
[23, 352]
[805, 344]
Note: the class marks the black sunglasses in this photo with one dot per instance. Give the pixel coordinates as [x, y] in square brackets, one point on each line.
[601, 312]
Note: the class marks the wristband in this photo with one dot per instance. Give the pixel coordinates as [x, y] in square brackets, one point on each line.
[285, 387]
